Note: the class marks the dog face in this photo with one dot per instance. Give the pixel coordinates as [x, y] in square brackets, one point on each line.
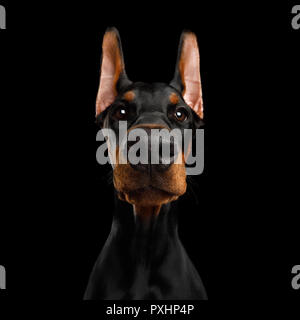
[177, 105]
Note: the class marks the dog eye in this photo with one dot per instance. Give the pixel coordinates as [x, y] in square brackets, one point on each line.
[121, 113]
[181, 114]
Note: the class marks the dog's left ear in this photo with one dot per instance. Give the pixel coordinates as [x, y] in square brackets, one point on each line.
[113, 76]
[187, 73]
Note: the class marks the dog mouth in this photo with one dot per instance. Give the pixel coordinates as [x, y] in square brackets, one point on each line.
[140, 188]
[148, 196]
[151, 189]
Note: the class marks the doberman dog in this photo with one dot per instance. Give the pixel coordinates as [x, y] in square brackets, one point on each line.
[143, 258]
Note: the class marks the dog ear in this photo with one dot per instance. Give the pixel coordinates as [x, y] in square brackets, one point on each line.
[113, 76]
[187, 73]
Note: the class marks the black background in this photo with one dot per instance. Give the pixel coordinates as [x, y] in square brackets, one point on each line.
[57, 203]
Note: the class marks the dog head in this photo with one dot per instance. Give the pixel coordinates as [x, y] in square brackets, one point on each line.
[149, 107]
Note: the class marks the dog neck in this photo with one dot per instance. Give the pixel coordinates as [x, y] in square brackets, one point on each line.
[145, 233]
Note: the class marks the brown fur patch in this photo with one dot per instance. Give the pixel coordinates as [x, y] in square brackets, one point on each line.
[129, 96]
[174, 99]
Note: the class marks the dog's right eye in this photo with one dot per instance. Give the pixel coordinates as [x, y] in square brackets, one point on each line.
[180, 114]
[121, 113]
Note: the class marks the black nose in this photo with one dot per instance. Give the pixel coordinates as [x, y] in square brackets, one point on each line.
[161, 153]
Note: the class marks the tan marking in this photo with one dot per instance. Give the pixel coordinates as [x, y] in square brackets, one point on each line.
[188, 151]
[129, 96]
[174, 99]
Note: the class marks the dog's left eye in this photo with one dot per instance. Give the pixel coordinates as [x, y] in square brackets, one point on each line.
[181, 114]
[121, 113]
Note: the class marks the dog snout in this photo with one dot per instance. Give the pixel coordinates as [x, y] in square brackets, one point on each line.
[150, 152]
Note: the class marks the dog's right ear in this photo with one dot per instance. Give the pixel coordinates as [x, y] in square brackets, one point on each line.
[113, 76]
